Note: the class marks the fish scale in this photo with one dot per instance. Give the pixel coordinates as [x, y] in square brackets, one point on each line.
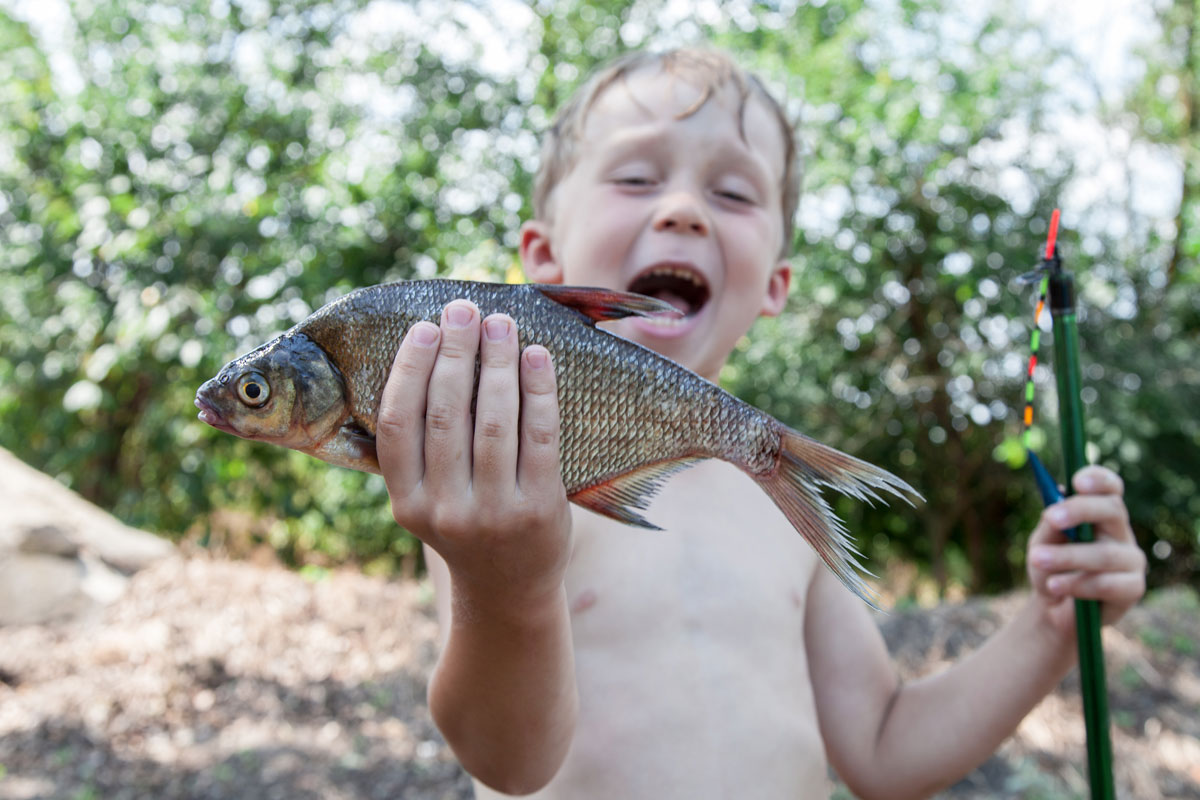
[606, 426]
[629, 417]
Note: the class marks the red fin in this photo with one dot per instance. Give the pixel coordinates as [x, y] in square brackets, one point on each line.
[617, 497]
[804, 467]
[601, 304]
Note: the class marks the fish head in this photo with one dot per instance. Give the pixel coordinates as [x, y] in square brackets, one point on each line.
[287, 392]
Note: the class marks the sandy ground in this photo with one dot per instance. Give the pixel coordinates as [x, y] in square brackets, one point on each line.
[217, 679]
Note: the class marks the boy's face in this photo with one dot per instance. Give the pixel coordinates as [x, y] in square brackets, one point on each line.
[686, 210]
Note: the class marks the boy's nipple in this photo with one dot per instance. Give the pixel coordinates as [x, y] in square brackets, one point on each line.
[583, 601]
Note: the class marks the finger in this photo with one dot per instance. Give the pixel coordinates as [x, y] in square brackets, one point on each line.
[497, 409]
[537, 459]
[1098, 480]
[1109, 587]
[400, 427]
[1102, 556]
[1106, 512]
[1046, 533]
[448, 426]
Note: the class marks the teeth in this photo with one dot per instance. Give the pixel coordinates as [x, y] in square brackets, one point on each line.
[677, 272]
[663, 321]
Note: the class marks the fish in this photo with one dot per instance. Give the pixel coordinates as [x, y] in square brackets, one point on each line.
[630, 418]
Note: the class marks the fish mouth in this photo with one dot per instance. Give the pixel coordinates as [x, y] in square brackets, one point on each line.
[209, 414]
[675, 282]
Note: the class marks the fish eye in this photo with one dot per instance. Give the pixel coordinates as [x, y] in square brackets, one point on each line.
[253, 389]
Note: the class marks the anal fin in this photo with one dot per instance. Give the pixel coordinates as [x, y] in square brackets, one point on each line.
[599, 305]
[617, 497]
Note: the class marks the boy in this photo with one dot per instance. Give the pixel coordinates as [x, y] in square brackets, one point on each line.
[717, 658]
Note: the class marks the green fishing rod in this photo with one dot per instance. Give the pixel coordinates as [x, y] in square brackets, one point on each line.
[1061, 287]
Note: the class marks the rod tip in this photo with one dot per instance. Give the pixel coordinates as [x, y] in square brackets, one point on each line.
[1052, 237]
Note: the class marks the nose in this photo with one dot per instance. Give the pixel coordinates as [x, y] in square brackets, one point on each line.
[681, 213]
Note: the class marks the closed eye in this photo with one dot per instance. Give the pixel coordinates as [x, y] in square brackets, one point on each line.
[737, 197]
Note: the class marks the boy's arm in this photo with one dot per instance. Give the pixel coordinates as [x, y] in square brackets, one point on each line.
[486, 494]
[894, 740]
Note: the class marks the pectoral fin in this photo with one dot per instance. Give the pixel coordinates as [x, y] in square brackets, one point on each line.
[601, 304]
[350, 447]
[618, 496]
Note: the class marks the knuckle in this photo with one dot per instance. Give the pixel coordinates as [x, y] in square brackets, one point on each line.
[541, 385]
[491, 425]
[408, 366]
[458, 343]
[394, 424]
[1141, 563]
[495, 355]
[542, 434]
[451, 520]
[406, 512]
[527, 518]
[456, 349]
[442, 417]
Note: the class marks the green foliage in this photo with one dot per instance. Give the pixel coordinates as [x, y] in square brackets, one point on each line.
[213, 173]
[905, 337]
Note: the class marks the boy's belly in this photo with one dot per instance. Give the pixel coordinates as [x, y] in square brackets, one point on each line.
[698, 722]
[689, 651]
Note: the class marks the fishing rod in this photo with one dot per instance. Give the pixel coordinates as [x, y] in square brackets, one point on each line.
[1060, 286]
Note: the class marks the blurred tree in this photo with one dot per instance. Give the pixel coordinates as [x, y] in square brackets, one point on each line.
[1146, 339]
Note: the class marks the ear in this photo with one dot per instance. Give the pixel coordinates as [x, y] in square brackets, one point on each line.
[775, 297]
[537, 257]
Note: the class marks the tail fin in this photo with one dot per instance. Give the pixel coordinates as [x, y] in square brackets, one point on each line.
[804, 467]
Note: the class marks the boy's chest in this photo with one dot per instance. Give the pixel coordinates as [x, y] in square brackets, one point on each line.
[727, 564]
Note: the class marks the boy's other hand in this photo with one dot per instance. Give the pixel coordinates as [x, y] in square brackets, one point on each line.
[1112, 569]
[485, 492]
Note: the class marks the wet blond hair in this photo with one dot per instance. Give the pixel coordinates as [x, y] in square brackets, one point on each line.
[711, 71]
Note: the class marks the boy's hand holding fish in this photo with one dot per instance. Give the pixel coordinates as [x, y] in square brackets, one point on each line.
[480, 486]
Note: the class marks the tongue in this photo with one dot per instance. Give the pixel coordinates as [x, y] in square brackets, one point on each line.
[676, 300]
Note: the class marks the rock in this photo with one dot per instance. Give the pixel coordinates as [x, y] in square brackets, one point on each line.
[61, 556]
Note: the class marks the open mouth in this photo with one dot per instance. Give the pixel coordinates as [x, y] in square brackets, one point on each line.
[678, 284]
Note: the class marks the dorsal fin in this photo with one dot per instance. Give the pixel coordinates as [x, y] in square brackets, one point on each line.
[601, 304]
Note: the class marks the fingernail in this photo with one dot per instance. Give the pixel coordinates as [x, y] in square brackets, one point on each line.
[424, 334]
[458, 315]
[1041, 556]
[537, 357]
[1055, 584]
[1085, 483]
[496, 328]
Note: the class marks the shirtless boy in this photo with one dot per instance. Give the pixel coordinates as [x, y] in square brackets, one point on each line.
[718, 658]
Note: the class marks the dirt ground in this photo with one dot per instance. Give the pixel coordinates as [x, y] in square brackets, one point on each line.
[218, 679]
